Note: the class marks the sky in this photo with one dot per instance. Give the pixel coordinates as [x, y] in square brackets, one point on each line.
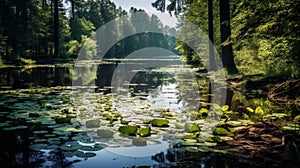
[165, 17]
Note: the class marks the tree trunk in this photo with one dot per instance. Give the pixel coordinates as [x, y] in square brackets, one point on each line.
[56, 29]
[73, 8]
[226, 46]
[211, 36]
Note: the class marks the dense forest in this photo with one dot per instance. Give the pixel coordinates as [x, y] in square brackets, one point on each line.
[264, 35]
[49, 30]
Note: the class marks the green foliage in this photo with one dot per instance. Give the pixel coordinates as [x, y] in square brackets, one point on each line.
[265, 38]
[27, 30]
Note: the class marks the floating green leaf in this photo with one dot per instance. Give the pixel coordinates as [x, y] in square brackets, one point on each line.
[191, 149]
[16, 128]
[213, 139]
[92, 123]
[38, 146]
[125, 122]
[192, 128]
[70, 146]
[70, 129]
[190, 136]
[144, 131]
[204, 149]
[220, 131]
[128, 130]
[105, 133]
[160, 122]
[62, 120]
[91, 148]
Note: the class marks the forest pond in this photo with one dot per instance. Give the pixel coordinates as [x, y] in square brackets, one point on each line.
[46, 121]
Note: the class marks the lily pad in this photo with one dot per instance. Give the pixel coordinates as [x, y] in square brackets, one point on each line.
[38, 146]
[192, 128]
[220, 131]
[70, 129]
[70, 146]
[62, 120]
[146, 121]
[52, 147]
[128, 130]
[190, 136]
[204, 149]
[144, 131]
[95, 147]
[92, 123]
[71, 115]
[81, 138]
[20, 127]
[105, 133]
[213, 139]
[291, 128]
[125, 122]
[40, 132]
[160, 123]
[191, 149]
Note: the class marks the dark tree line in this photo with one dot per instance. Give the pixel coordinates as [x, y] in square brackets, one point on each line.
[56, 29]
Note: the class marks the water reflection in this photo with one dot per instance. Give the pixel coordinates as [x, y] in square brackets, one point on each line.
[26, 77]
[34, 121]
[34, 139]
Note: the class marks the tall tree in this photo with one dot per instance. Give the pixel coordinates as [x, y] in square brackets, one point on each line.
[226, 45]
[56, 28]
[227, 55]
[211, 36]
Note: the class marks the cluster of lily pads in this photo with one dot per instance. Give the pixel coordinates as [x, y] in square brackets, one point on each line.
[80, 123]
[48, 121]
